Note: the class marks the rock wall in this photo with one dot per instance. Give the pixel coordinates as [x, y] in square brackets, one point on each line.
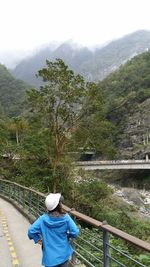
[135, 141]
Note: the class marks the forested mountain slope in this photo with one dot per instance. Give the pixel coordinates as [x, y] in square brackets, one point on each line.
[127, 95]
[27, 69]
[12, 92]
[93, 65]
[39, 140]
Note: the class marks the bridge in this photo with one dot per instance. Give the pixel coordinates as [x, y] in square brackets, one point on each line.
[93, 247]
[114, 164]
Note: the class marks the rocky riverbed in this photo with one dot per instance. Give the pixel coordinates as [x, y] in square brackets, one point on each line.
[138, 198]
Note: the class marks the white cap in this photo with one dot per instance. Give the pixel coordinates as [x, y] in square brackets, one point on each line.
[52, 200]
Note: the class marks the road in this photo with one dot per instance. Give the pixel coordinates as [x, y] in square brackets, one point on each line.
[16, 250]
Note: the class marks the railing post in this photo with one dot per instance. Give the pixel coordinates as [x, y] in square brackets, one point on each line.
[18, 194]
[29, 200]
[73, 260]
[106, 248]
[1, 187]
[38, 204]
[9, 190]
[23, 198]
[14, 192]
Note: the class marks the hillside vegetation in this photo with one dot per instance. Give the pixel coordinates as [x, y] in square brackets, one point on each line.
[68, 115]
[127, 94]
[12, 92]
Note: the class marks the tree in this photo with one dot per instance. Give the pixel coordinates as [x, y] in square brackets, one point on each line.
[59, 104]
[18, 126]
[96, 133]
[3, 132]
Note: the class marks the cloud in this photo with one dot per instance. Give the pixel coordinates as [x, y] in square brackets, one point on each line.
[27, 24]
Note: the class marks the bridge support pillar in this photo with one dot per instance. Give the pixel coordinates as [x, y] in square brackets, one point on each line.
[147, 157]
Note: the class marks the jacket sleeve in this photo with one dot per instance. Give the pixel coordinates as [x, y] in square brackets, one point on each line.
[34, 231]
[73, 230]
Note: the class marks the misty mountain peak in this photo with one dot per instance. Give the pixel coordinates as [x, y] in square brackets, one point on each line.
[93, 65]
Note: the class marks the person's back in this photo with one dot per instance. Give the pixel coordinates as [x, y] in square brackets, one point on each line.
[53, 230]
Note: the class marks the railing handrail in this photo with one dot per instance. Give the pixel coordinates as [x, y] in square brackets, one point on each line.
[115, 231]
[24, 187]
[103, 225]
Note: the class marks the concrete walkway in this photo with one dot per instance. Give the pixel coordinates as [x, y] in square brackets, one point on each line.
[16, 250]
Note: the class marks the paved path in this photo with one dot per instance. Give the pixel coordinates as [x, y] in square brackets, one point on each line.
[16, 250]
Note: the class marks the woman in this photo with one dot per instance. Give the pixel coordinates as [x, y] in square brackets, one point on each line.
[52, 230]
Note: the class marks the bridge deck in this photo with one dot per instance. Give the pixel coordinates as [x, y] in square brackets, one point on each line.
[114, 164]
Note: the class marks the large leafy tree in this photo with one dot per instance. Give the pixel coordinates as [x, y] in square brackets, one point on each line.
[59, 105]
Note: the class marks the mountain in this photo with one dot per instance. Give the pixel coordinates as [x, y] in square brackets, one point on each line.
[93, 65]
[127, 104]
[116, 53]
[12, 93]
[27, 69]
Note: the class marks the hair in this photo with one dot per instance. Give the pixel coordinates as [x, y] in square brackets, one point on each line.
[58, 208]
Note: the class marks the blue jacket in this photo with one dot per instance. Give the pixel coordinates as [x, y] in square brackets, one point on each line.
[54, 232]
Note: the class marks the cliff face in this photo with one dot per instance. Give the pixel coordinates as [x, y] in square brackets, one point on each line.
[135, 141]
[127, 96]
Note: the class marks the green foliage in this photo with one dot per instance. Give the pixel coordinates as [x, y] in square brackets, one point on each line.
[144, 259]
[66, 108]
[101, 139]
[57, 122]
[127, 87]
[66, 115]
[93, 249]
[59, 106]
[12, 93]
[94, 198]
[89, 196]
[3, 133]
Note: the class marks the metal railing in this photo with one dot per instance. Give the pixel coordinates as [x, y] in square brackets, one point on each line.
[98, 244]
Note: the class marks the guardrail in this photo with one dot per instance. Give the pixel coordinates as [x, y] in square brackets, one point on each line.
[97, 242]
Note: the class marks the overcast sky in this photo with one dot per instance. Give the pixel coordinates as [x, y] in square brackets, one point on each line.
[26, 24]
